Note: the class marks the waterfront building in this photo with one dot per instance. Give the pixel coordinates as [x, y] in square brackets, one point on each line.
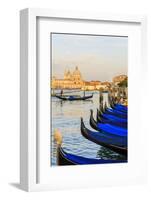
[117, 90]
[118, 79]
[74, 80]
[71, 80]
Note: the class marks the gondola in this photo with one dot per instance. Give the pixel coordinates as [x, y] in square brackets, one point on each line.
[73, 97]
[113, 112]
[113, 118]
[64, 158]
[116, 108]
[119, 107]
[116, 112]
[107, 141]
[106, 137]
[100, 119]
[115, 104]
[111, 129]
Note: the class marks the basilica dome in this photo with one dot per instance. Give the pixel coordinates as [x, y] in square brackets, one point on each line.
[67, 75]
[77, 74]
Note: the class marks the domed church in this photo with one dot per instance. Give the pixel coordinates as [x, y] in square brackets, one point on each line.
[77, 75]
[72, 80]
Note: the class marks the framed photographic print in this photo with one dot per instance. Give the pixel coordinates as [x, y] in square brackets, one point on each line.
[81, 78]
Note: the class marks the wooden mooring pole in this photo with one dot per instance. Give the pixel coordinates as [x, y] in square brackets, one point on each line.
[100, 96]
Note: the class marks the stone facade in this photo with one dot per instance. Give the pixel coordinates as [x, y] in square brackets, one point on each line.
[74, 80]
[71, 80]
[118, 79]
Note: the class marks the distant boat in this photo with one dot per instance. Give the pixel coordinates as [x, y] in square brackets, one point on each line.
[73, 97]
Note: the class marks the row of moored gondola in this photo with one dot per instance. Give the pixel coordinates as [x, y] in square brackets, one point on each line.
[110, 131]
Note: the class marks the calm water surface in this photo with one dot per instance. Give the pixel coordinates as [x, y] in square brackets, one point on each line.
[66, 117]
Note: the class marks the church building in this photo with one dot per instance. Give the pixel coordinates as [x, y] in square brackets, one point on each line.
[71, 80]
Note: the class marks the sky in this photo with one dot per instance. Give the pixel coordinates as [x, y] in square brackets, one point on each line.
[97, 57]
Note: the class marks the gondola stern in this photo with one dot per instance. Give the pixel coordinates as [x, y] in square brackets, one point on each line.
[98, 116]
[82, 123]
[93, 123]
[83, 128]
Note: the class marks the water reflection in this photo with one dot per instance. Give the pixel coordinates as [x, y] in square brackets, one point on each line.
[105, 153]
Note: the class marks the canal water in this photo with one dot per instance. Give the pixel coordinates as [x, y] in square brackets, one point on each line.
[66, 117]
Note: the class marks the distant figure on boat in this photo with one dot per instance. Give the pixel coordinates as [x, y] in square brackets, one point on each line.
[61, 93]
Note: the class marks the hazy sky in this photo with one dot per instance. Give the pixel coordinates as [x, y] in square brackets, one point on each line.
[98, 57]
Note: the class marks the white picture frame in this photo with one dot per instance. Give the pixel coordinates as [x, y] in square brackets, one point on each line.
[29, 148]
